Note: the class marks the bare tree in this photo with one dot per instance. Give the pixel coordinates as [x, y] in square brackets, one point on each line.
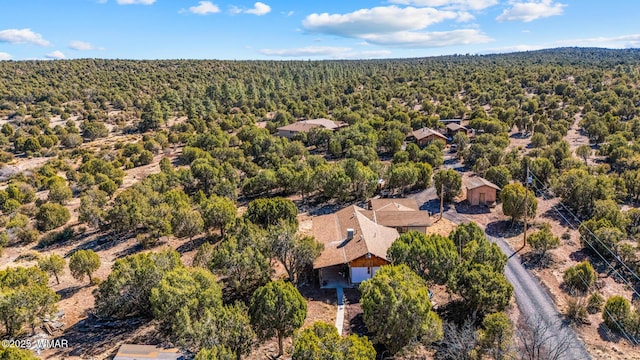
[459, 342]
[538, 339]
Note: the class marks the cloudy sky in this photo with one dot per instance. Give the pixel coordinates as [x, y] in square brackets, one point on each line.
[307, 29]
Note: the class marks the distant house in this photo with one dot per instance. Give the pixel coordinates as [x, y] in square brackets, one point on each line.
[480, 191]
[453, 128]
[147, 352]
[355, 246]
[400, 214]
[424, 136]
[289, 131]
[450, 121]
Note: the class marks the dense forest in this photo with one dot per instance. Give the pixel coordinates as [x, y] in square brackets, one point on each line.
[211, 129]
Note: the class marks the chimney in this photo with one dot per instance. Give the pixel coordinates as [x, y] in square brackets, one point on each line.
[349, 234]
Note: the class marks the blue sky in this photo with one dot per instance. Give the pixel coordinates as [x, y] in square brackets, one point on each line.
[307, 29]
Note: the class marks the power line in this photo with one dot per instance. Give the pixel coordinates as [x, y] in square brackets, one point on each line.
[609, 264]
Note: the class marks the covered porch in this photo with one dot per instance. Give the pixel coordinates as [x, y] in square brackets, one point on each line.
[336, 276]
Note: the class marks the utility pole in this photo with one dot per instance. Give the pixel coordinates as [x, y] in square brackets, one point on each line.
[526, 210]
[441, 200]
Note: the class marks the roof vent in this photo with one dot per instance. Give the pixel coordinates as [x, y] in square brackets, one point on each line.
[350, 234]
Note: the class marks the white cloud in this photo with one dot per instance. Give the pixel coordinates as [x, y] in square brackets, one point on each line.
[290, 13]
[81, 45]
[325, 52]
[204, 8]
[55, 55]
[135, 2]
[22, 36]
[377, 20]
[259, 9]
[412, 39]
[464, 16]
[450, 4]
[531, 10]
[5, 56]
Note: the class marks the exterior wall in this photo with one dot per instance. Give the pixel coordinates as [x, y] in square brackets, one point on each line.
[422, 229]
[362, 268]
[473, 195]
[364, 262]
[359, 274]
[287, 133]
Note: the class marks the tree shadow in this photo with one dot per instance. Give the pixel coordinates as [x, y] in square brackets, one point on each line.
[533, 260]
[455, 311]
[193, 244]
[102, 243]
[73, 240]
[463, 207]
[607, 334]
[93, 336]
[433, 206]
[561, 216]
[69, 292]
[503, 228]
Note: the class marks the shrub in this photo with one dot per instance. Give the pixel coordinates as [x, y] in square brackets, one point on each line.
[594, 303]
[51, 216]
[577, 311]
[56, 237]
[580, 276]
[616, 312]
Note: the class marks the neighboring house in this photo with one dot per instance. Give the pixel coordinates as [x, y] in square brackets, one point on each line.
[289, 131]
[424, 136]
[480, 191]
[453, 128]
[146, 352]
[450, 121]
[355, 246]
[401, 214]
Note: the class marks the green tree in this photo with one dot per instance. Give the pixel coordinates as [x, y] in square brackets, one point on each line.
[59, 192]
[51, 216]
[277, 309]
[215, 353]
[580, 277]
[499, 175]
[484, 289]
[92, 208]
[583, 152]
[84, 262]
[189, 291]
[402, 176]
[539, 140]
[400, 297]
[448, 180]
[243, 265]
[25, 298]
[543, 240]
[465, 233]
[496, 335]
[53, 264]
[433, 257]
[152, 116]
[218, 212]
[296, 253]
[267, 212]
[321, 341]
[127, 290]
[516, 201]
[616, 313]
[186, 222]
[14, 353]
